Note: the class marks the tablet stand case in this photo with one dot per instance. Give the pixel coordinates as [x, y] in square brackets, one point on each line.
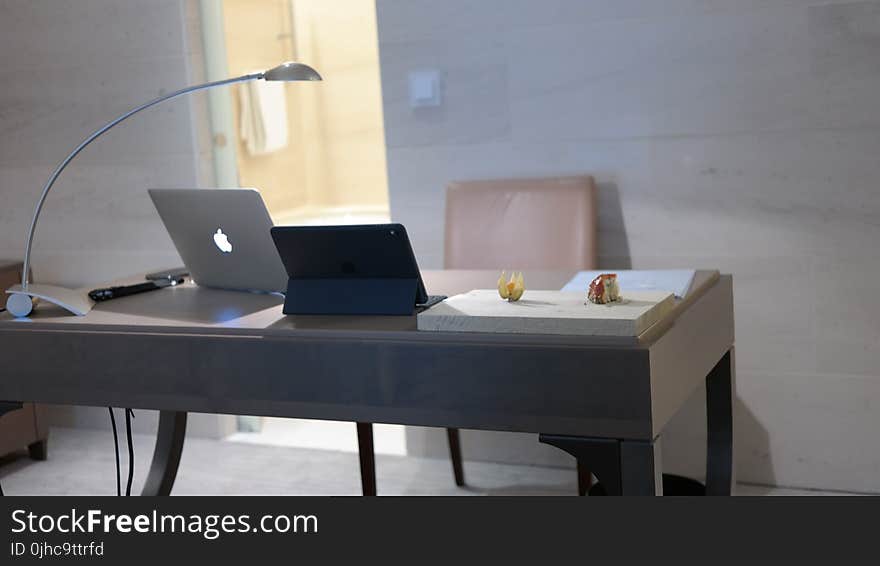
[351, 296]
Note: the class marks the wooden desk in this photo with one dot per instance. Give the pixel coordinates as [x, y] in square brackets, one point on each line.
[189, 349]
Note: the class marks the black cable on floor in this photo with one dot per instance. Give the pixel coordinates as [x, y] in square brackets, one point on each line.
[116, 445]
[1, 491]
[129, 414]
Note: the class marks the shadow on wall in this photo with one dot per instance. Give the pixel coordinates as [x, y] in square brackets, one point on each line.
[684, 439]
[613, 242]
[684, 442]
[749, 434]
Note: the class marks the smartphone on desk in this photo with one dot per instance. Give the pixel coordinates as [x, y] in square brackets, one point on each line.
[171, 274]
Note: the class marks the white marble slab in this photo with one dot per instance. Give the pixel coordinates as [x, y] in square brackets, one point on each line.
[547, 312]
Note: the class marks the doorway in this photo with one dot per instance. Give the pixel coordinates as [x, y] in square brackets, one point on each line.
[326, 164]
[320, 158]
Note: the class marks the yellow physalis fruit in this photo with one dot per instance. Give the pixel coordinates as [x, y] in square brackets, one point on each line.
[519, 287]
[502, 286]
[513, 289]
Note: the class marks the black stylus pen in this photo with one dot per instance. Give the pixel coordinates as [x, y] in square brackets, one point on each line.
[99, 295]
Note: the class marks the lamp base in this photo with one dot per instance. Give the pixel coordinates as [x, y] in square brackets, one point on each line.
[20, 302]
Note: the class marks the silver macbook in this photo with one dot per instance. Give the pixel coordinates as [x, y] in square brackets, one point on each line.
[223, 237]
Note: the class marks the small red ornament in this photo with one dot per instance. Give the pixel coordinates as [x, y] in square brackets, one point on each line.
[603, 289]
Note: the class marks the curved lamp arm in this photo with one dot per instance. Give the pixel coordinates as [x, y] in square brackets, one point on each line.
[20, 300]
[95, 135]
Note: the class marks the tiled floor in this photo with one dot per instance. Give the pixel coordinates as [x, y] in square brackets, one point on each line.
[326, 435]
[82, 462]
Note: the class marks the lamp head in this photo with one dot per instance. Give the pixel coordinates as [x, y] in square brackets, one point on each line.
[291, 71]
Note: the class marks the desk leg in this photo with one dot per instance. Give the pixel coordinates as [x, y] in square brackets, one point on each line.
[166, 456]
[719, 433]
[600, 455]
[623, 467]
[640, 470]
[719, 413]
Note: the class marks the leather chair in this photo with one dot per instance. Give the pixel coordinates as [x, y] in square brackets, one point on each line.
[513, 224]
[520, 224]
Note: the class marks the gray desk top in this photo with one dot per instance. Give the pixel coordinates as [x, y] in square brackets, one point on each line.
[195, 349]
[191, 309]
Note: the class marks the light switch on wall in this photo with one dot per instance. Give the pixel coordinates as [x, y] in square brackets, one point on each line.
[425, 89]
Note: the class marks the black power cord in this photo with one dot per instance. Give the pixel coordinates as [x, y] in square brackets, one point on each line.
[129, 414]
[116, 445]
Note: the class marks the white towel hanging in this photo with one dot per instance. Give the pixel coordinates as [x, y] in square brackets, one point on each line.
[263, 116]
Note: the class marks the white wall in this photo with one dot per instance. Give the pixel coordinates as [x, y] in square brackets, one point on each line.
[735, 134]
[67, 68]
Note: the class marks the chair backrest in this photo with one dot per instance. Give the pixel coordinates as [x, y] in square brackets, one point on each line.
[519, 224]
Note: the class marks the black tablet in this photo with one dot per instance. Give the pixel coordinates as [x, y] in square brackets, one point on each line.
[359, 269]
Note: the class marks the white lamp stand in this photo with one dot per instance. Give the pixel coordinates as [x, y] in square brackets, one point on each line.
[20, 303]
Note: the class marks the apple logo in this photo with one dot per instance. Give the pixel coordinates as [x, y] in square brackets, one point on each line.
[222, 241]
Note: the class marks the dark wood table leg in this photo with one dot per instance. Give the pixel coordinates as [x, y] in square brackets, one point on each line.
[585, 478]
[367, 458]
[719, 413]
[166, 456]
[39, 450]
[454, 440]
[599, 455]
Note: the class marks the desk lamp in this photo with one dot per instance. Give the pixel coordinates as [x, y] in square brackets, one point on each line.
[21, 297]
